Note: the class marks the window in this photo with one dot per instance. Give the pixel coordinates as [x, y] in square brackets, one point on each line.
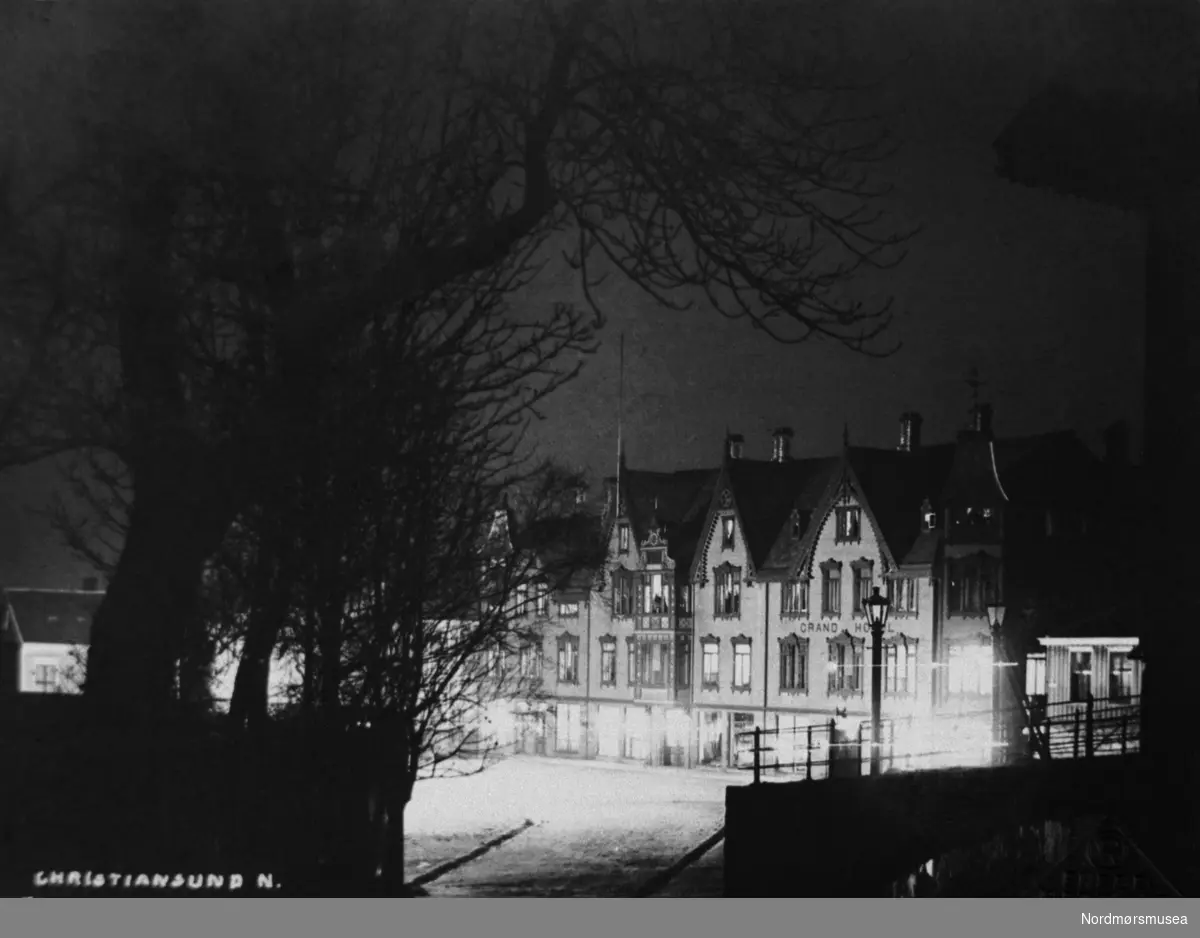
[608, 662]
[928, 516]
[656, 594]
[793, 665]
[902, 594]
[862, 585]
[1035, 675]
[652, 663]
[795, 598]
[727, 591]
[630, 662]
[531, 661]
[831, 588]
[711, 664]
[623, 538]
[969, 669]
[683, 665]
[542, 601]
[727, 532]
[1120, 676]
[974, 582]
[45, 678]
[741, 663]
[568, 610]
[849, 525]
[845, 666]
[622, 593]
[900, 666]
[568, 659]
[521, 604]
[1081, 675]
[654, 558]
[683, 596]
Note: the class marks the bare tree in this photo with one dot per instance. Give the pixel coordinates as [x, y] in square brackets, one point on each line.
[262, 180]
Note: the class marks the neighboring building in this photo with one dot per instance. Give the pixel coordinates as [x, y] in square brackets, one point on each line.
[44, 639]
[731, 597]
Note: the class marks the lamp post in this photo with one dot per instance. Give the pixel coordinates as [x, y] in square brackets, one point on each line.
[995, 614]
[877, 612]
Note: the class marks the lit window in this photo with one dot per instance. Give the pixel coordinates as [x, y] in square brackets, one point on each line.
[741, 663]
[622, 593]
[902, 595]
[795, 598]
[652, 663]
[608, 662]
[542, 601]
[1120, 676]
[655, 594]
[831, 588]
[727, 532]
[900, 666]
[862, 586]
[568, 610]
[711, 665]
[727, 588]
[568, 659]
[623, 538]
[1035, 675]
[849, 524]
[845, 666]
[45, 678]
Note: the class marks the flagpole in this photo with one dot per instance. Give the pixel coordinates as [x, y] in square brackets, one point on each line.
[620, 421]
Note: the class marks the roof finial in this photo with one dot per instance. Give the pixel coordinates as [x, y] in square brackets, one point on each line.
[974, 384]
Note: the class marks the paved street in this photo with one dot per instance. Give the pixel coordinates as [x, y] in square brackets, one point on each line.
[601, 829]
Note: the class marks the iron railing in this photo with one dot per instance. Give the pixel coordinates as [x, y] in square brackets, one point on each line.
[1067, 730]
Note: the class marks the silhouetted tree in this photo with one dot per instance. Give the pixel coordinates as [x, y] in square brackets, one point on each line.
[252, 184]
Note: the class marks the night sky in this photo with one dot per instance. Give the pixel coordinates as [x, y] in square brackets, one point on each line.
[1043, 295]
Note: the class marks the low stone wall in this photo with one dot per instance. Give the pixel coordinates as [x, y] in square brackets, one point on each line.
[863, 837]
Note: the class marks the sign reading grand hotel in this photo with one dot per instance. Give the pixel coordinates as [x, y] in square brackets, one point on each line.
[834, 628]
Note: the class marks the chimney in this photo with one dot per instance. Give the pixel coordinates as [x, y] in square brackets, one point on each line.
[910, 432]
[981, 420]
[781, 444]
[1116, 443]
[734, 444]
[90, 584]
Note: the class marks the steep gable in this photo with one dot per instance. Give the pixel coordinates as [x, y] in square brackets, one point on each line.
[53, 617]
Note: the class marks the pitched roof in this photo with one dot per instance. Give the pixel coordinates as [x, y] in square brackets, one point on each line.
[569, 549]
[677, 501]
[766, 494]
[56, 617]
[895, 484]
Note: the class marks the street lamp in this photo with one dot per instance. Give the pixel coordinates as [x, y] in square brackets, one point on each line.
[995, 614]
[877, 612]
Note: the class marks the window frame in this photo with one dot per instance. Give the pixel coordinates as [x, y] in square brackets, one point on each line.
[831, 572]
[729, 577]
[622, 537]
[793, 664]
[624, 586]
[794, 598]
[892, 685]
[608, 656]
[844, 514]
[743, 652]
[710, 680]
[728, 532]
[568, 610]
[569, 644]
[846, 657]
[902, 595]
[1075, 692]
[1127, 670]
[861, 570]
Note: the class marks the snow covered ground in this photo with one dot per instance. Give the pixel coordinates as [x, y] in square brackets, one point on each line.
[602, 829]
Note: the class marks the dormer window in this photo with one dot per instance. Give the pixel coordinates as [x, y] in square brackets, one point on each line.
[849, 524]
[623, 538]
[727, 532]
[654, 558]
[928, 516]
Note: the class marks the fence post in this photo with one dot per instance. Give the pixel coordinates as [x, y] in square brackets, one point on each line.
[1089, 743]
[1076, 735]
[757, 758]
[808, 757]
[833, 753]
[860, 748]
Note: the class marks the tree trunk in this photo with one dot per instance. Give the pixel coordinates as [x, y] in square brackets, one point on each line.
[137, 632]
